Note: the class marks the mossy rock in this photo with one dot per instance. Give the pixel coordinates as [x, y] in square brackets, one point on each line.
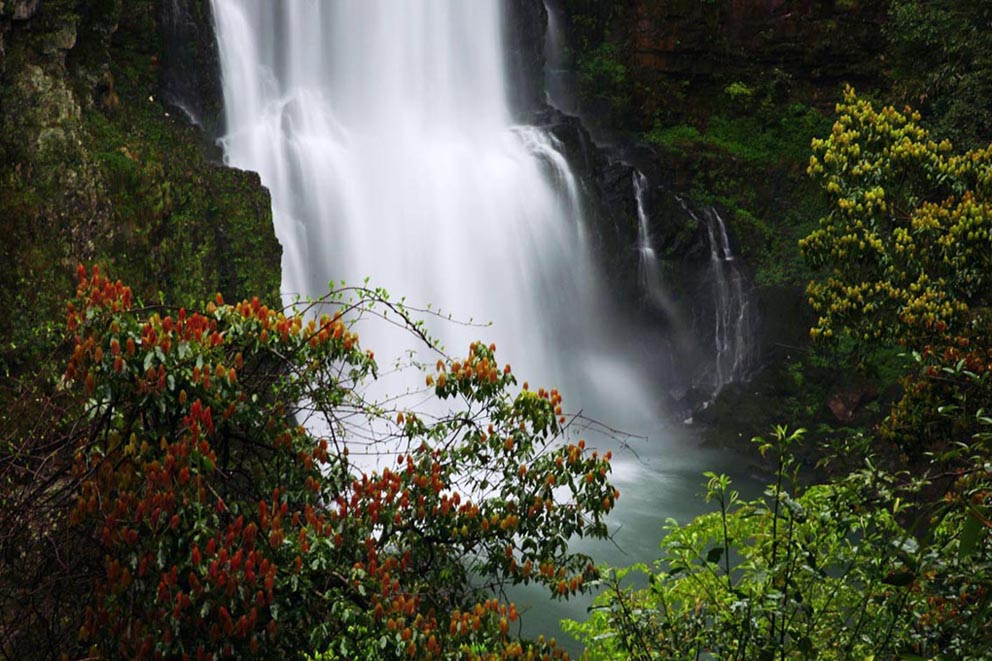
[99, 170]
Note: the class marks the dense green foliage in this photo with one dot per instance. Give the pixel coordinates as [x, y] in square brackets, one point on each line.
[905, 258]
[175, 505]
[720, 159]
[892, 556]
[906, 247]
[858, 567]
[942, 55]
[604, 83]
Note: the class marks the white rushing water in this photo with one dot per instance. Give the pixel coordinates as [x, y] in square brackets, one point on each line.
[733, 316]
[732, 321]
[383, 132]
[649, 268]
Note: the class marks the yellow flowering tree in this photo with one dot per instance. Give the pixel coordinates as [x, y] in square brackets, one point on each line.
[905, 252]
[906, 256]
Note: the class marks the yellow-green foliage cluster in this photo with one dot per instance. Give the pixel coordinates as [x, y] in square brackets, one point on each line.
[907, 249]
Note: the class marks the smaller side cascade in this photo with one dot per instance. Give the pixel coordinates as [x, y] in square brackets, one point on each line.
[650, 276]
[733, 314]
[728, 311]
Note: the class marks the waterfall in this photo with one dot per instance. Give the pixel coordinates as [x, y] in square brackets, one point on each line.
[649, 269]
[382, 130]
[733, 317]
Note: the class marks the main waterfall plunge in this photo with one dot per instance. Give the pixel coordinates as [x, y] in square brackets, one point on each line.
[383, 132]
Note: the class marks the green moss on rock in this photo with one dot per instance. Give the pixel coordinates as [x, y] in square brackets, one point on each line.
[97, 169]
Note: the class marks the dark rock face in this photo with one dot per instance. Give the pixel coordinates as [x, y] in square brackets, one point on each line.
[524, 23]
[645, 64]
[607, 174]
[677, 53]
[680, 325]
[809, 39]
[609, 198]
[190, 75]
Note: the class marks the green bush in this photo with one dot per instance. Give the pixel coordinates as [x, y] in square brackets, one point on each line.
[829, 571]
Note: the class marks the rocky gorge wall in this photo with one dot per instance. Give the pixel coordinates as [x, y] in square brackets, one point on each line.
[715, 103]
[606, 167]
[644, 60]
[812, 44]
[190, 74]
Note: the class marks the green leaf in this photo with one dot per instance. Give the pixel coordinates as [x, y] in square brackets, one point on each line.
[907, 546]
[971, 532]
[714, 555]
